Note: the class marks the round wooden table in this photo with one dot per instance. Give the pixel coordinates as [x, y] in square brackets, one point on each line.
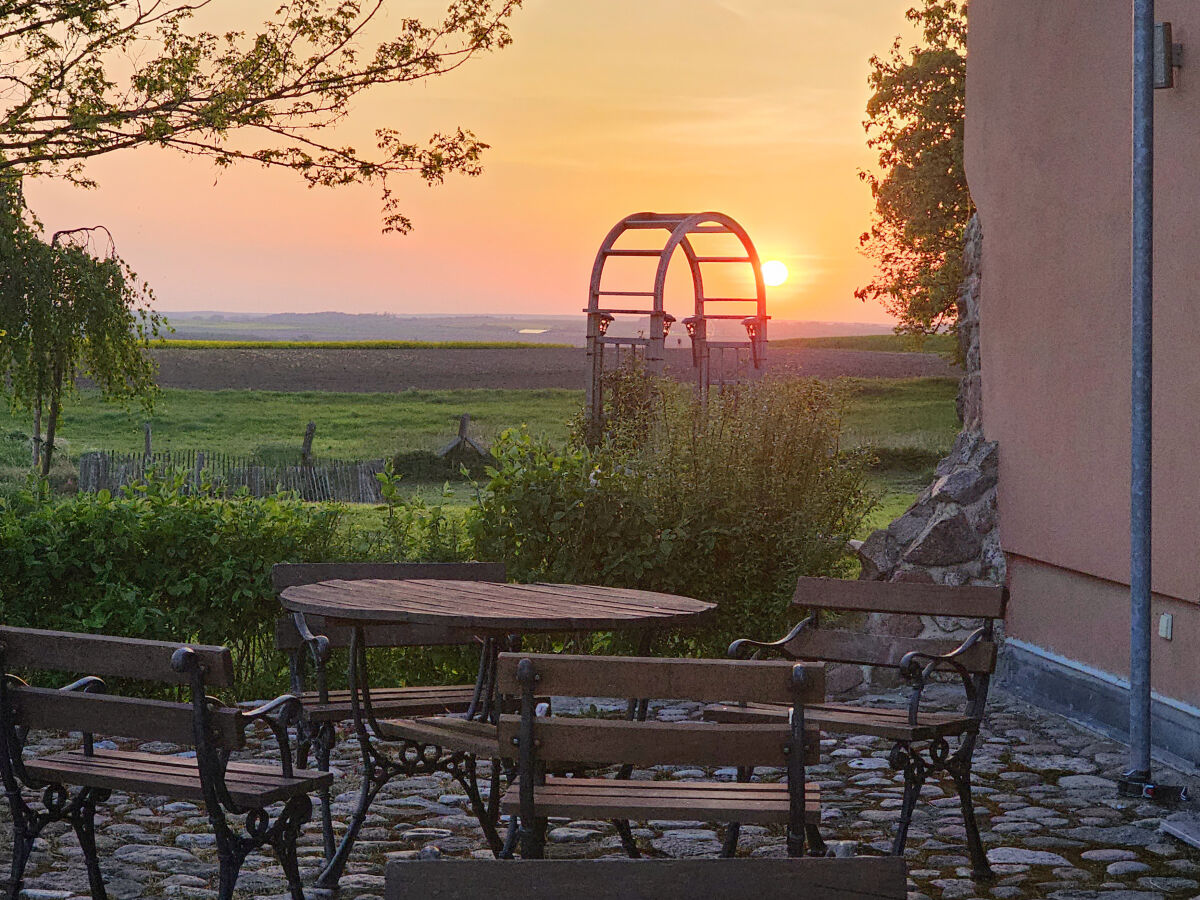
[498, 614]
[491, 608]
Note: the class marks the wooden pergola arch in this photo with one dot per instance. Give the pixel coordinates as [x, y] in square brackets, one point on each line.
[605, 305]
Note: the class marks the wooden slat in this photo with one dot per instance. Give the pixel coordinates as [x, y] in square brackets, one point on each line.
[846, 719]
[392, 702]
[836, 645]
[385, 635]
[585, 740]
[968, 601]
[286, 575]
[806, 878]
[492, 607]
[104, 714]
[102, 654]
[447, 732]
[567, 675]
[250, 784]
[607, 798]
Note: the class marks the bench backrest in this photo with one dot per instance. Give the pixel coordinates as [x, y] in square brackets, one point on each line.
[804, 878]
[585, 739]
[121, 657]
[102, 654]
[286, 575]
[821, 595]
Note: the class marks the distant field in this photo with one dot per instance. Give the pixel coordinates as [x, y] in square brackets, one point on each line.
[911, 421]
[891, 343]
[351, 345]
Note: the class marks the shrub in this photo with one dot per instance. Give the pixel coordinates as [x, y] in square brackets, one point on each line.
[727, 502]
[158, 563]
[163, 562]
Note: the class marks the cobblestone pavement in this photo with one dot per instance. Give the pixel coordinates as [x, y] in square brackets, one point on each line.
[1048, 809]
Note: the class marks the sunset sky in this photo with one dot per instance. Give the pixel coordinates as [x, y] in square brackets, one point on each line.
[598, 110]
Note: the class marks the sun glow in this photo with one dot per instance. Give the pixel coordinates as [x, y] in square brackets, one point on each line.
[774, 273]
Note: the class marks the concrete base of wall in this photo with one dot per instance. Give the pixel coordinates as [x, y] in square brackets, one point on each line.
[1098, 700]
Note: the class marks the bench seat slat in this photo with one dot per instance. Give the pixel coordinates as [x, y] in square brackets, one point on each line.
[392, 702]
[966, 601]
[706, 801]
[250, 784]
[447, 732]
[880, 722]
[864, 878]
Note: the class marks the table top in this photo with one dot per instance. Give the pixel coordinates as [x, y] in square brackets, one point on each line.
[490, 606]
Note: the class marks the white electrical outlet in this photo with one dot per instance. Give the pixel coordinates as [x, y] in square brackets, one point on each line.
[1165, 623]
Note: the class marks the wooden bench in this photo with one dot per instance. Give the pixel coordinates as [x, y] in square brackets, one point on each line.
[225, 788]
[863, 878]
[920, 737]
[590, 741]
[323, 708]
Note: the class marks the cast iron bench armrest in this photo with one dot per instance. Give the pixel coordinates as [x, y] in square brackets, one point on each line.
[289, 707]
[779, 646]
[917, 667]
[89, 683]
[318, 644]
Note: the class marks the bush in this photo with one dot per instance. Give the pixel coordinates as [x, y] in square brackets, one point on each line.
[157, 563]
[727, 503]
[161, 562]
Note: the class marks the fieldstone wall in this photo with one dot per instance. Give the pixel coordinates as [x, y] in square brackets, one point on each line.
[950, 535]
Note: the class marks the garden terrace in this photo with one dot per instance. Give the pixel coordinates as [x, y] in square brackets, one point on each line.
[1052, 823]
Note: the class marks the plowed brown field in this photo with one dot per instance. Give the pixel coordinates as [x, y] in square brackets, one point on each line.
[306, 369]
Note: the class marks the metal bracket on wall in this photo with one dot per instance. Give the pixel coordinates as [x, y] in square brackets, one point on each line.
[1168, 56]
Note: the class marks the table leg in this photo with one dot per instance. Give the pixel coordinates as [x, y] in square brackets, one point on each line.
[378, 768]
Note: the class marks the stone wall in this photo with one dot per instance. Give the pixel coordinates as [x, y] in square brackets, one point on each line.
[950, 535]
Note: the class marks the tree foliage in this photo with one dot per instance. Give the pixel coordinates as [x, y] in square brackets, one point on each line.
[68, 311]
[915, 122]
[81, 78]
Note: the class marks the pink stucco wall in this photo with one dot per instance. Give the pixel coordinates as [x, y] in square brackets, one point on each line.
[1048, 159]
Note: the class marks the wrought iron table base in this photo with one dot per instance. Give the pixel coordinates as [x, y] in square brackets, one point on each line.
[414, 758]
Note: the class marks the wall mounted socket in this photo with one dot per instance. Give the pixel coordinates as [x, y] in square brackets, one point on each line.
[1166, 624]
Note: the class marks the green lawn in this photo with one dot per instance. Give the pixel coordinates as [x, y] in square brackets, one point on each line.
[910, 423]
[349, 426]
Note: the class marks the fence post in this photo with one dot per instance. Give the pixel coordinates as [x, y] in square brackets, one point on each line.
[306, 449]
[149, 451]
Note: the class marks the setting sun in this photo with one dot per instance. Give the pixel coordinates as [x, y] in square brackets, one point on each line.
[774, 273]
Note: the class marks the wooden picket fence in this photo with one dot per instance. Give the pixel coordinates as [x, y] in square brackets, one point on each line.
[221, 473]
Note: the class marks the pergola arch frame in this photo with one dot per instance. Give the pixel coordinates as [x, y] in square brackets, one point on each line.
[680, 228]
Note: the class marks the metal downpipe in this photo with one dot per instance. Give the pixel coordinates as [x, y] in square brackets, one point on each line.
[1141, 389]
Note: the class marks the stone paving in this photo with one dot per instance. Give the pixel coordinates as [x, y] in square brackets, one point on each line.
[1051, 820]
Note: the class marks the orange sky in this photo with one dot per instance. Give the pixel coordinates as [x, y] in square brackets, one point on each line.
[599, 109]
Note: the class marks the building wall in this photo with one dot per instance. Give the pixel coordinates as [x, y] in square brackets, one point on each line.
[1048, 160]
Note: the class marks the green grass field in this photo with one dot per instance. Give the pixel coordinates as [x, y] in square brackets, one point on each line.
[946, 344]
[171, 344]
[910, 424]
[349, 426]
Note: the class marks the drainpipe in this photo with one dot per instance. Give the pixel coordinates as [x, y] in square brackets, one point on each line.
[1142, 391]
